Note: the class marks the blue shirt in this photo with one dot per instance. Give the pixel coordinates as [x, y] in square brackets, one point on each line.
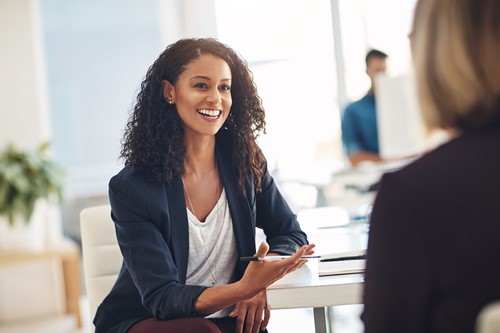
[359, 126]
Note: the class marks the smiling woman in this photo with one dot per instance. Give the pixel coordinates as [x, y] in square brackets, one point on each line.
[202, 96]
[194, 187]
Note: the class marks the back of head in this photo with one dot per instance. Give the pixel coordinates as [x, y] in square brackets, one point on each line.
[456, 50]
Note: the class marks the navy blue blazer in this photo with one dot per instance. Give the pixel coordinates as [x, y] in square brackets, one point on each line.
[152, 231]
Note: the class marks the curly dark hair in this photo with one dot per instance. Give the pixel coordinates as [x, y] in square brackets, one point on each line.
[153, 141]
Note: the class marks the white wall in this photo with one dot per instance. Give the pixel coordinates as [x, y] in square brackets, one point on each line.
[23, 111]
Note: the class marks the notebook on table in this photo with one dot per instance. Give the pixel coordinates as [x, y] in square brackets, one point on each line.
[351, 262]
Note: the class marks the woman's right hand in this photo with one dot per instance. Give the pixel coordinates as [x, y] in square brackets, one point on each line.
[257, 276]
[260, 274]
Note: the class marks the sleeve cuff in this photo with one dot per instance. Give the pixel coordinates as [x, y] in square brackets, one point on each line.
[284, 249]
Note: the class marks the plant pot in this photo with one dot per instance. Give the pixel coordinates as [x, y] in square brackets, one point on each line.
[41, 229]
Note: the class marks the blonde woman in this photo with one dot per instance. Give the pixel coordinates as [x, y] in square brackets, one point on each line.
[434, 244]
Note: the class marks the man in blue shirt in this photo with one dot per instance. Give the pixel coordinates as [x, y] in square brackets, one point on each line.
[359, 122]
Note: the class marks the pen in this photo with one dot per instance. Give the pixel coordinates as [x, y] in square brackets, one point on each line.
[270, 258]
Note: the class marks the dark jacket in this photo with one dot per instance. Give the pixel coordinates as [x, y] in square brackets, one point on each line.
[434, 243]
[152, 230]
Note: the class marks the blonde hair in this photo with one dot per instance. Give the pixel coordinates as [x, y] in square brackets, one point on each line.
[456, 54]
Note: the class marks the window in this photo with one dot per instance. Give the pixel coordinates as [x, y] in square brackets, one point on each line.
[289, 47]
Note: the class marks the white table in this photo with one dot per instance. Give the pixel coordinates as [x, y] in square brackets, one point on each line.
[329, 291]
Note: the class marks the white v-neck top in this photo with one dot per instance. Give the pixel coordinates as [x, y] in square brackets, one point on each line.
[212, 249]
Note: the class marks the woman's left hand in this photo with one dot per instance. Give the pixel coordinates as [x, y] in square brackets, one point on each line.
[249, 314]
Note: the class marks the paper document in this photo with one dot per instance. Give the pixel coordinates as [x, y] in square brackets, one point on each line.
[341, 267]
[348, 255]
[350, 262]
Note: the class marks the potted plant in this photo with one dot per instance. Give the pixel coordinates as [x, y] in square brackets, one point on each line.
[26, 177]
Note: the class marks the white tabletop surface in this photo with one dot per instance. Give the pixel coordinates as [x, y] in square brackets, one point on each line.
[328, 291]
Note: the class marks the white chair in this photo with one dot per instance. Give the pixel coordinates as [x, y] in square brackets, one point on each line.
[101, 254]
[488, 320]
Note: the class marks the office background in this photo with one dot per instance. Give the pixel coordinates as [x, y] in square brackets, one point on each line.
[71, 69]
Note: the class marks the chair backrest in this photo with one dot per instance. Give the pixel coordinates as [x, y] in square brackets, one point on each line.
[488, 320]
[101, 254]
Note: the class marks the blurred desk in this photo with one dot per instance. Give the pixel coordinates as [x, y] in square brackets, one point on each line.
[68, 254]
[351, 237]
[329, 291]
[367, 174]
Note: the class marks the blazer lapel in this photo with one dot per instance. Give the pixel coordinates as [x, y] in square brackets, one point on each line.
[179, 233]
[244, 229]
